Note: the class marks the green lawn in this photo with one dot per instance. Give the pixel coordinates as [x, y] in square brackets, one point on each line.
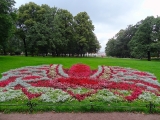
[12, 62]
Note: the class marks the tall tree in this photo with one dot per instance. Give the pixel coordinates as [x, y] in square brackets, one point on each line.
[27, 16]
[37, 39]
[118, 45]
[83, 28]
[94, 44]
[63, 32]
[48, 20]
[155, 36]
[40, 35]
[110, 48]
[7, 16]
[14, 45]
[140, 43]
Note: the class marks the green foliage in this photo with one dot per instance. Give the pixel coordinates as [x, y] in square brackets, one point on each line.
[83, 30]
[110, 47]
[136, 40]
[63, 30]
[94, 45]
[7, 17]
[140, 43]
[155, 36]
[37, 39]
[49, 30]
[118, 45]
[27, 16]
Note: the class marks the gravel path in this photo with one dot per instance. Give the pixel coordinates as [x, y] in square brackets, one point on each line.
[80, 116]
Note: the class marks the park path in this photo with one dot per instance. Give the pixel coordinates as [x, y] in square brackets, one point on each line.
[79, 116]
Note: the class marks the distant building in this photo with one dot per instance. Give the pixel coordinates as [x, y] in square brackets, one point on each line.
[101, 54]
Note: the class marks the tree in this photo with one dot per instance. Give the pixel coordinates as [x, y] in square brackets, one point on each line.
[40, 35]
[7, 16]
[155, 36]
[140, 44]
[94, 44]
[110, 47]
[83, 28]
[46, 30]
[63, 31]
[27, 16]
[14, 45]
[37, 39]
[48, 20]
[118, 46]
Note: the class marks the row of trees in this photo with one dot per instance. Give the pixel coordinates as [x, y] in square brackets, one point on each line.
[136, 41]
[43, 29]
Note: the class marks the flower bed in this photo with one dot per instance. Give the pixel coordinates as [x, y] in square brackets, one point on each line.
[53, 83]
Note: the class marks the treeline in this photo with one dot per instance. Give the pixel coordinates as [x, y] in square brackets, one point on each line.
[43, 30]
[137, 41]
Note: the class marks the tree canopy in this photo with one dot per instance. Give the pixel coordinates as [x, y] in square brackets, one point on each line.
[7, 17]
[136, 40]
[43, 30]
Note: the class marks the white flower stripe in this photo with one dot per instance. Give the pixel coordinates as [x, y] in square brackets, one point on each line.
[29, 70]
[99, 71]
[61, 72]
[18, 81]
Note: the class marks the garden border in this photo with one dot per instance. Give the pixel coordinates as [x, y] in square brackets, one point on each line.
[31, 105]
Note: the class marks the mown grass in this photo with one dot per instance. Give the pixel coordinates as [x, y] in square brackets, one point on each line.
[76, 106]
[12, 62]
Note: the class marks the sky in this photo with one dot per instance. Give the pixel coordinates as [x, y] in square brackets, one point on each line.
[108, 16]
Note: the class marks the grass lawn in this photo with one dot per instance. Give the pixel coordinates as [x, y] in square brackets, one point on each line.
[12, 62]
[91, 103]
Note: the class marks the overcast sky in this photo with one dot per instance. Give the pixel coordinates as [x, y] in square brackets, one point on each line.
[108, 16]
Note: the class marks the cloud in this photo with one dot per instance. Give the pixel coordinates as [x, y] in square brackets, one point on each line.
[104, 32]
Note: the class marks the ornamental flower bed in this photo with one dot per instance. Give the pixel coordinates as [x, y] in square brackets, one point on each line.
[53, 83]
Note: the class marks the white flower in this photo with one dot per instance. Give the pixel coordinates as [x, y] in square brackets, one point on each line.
[98, 72]
[150, 97]
[10, 94]
[55, 95]
[61, 72]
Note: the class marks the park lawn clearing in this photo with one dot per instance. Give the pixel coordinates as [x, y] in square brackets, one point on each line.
[12, 62]
[78, 86]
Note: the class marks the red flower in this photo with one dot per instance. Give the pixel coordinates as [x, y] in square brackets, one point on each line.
[79, 70]
[134, 95]
[29, 94]
[78, 81]
[6, 82]
[30, 77]
[81, 97]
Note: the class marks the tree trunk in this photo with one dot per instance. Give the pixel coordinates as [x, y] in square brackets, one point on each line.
[25, 47]
[158, 54]
[4, 51]
[52, 53]
[149, 56]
